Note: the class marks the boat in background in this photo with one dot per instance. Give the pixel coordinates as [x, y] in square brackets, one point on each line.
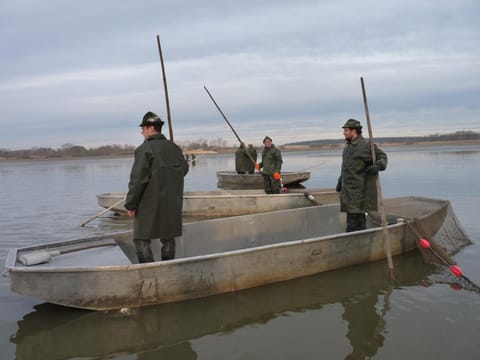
[232, 180]
[220, 203]
[216, 256]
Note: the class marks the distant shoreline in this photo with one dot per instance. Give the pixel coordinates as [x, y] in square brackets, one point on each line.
[325, 147]
[382, 144]
[284, 148]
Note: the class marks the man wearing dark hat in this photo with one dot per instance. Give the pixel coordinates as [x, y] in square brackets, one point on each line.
[155, 191]
[271, 164]
[356, 184]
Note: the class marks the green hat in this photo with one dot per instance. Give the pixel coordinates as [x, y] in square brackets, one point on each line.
[352, 124]
[150, 118]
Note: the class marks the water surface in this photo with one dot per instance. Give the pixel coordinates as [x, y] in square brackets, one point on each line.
[352, 313]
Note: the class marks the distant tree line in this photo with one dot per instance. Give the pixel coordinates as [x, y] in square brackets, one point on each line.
[456, 136]
[77, 151]
[204, 144]
[67, 151]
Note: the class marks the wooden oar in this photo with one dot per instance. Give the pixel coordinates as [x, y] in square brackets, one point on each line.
[102, 212]
[388, 249]
[42, 256]
[166, 89]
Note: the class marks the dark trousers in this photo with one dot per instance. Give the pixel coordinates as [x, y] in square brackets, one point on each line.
[144, 251]
[356, 221]
[270, 185]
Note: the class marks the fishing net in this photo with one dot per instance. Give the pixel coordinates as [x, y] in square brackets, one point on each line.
[438, 249]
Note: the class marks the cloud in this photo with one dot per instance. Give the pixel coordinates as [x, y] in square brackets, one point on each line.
[86, 71]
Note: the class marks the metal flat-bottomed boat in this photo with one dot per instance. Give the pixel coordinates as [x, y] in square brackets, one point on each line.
[216, 256]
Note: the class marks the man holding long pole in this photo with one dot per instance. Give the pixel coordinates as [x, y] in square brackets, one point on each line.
[356, 184]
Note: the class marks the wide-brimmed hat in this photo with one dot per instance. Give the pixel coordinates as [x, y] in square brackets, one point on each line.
[352, 124]
[150, 118]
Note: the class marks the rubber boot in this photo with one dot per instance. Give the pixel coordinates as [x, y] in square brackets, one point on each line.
[168, 248]
[356, 222]
[144, 252]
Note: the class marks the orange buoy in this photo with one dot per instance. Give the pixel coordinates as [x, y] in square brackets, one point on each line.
[424, 243]
[456, 270]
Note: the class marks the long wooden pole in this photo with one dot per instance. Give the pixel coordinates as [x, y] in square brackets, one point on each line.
[388, 249]
[169, 117]
[308, 195]
[228, 122]
[102, 212]
[221, 112]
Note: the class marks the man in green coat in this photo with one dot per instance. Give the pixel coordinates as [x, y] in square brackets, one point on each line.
[155, 191]
[357, 182]
[245, 159]
[271, 164]
[242, 161]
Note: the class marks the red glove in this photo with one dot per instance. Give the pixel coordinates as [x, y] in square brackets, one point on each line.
[276, 175]
[257, 166]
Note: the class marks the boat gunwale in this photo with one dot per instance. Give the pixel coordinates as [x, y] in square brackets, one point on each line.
[222, 196]
[234, 173]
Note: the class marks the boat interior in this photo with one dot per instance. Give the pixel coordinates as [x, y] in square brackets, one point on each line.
[218, 236]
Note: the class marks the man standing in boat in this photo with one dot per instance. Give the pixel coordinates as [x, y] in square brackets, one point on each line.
[356, 184]
[242, 161]
[155, 191]
[271, 164]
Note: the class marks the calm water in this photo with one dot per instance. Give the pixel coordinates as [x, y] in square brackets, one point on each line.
[352, 313]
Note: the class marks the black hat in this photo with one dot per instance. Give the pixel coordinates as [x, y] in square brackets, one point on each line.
[267, 138]
[150, 118]
[352, 124]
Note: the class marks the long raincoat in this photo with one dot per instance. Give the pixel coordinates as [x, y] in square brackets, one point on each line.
[271, 160]
[358, 190]
[155, 189]
[242, 161]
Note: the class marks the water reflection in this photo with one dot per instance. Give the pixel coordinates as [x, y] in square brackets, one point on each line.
[365, 324]
[168, 331]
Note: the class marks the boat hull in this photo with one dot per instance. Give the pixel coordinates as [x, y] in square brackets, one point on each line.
[232, 180]
[250, 251]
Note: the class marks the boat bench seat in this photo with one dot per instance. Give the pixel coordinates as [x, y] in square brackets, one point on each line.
[103, 256]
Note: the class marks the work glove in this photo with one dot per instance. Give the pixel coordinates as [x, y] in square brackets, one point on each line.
[372, 169]
[257, 166]
[339, 186]
[276, 175]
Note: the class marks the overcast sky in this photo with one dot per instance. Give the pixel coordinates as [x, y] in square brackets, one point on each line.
[85, 71]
